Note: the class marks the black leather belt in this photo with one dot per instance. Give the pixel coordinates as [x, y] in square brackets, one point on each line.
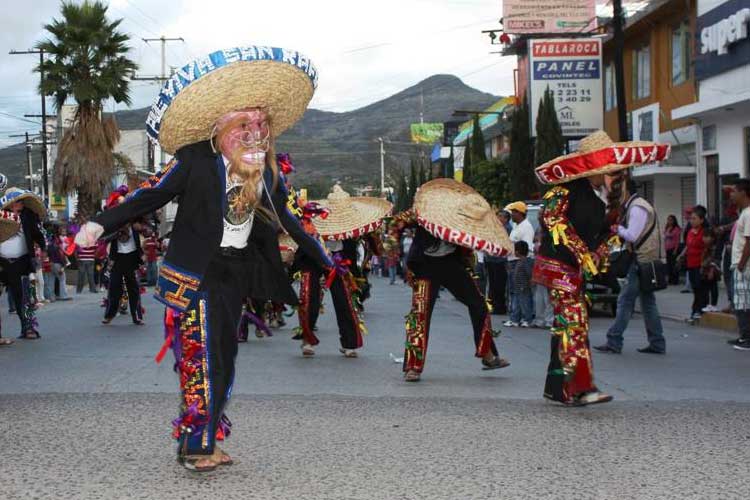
[233, 252]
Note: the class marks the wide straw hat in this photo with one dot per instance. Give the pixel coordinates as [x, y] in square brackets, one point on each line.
[350, 216]
[280, 81]
[9, 225]
[29, 199]
[455, 213]
[598, 154]
[287, 247]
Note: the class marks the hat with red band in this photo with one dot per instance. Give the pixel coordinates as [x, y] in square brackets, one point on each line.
[455, 213]
[598, 154]
[350, 217]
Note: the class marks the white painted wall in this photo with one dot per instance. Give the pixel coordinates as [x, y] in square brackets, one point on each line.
[730, 142]
[134, 145]
[667, 197]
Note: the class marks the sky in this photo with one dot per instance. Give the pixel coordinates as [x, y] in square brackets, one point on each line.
[364, 51]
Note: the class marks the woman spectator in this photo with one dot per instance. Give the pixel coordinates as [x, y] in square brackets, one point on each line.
[672, 233]
[693, 258]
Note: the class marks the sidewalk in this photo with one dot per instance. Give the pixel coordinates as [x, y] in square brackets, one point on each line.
[675, 306]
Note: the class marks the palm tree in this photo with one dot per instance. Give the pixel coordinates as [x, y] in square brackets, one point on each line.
[88, 64]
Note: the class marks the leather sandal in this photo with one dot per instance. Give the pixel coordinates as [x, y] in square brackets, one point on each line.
[198, 463]
[221, 458]
[412, 376]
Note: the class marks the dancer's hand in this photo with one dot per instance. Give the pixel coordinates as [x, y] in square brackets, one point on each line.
[89, 234]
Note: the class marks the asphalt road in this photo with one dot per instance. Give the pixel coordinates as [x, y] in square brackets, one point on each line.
[85, 412]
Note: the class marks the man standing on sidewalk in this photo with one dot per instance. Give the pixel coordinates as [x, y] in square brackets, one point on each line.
[641, 232]
[740, 257]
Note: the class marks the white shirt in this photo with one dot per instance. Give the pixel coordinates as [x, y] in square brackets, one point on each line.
[740, 236]
[523, 231]
[407, 241]
[127, 246]
[480, 257]
[14, 247]
[237, 225]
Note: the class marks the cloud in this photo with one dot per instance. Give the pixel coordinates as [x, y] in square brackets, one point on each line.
[364, 51]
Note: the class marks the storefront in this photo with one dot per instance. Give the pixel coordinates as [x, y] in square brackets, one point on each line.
[722, 113]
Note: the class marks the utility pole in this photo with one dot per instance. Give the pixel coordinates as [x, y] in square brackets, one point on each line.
[421, 105]
[163, 77]
[619, 39]
[29, 170]
[382, 166]
[45, 177]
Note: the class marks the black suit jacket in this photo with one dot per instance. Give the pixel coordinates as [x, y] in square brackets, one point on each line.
[198, 178]
[32, 230]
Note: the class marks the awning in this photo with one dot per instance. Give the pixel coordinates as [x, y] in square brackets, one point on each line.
[485, 121]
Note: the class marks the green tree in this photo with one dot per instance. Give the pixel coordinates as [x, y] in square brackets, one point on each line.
[550, 142]
[491, 181]
[450, 172]
[87, 63]
[520, 161]
[477, 142]
[413, 180]
[466, 176]
[402, 193]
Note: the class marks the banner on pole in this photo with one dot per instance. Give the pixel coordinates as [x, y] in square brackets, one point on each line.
[572, 70]
[551, 16]
[426, 133]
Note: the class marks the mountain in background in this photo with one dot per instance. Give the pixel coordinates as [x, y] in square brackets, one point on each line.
[325, 145]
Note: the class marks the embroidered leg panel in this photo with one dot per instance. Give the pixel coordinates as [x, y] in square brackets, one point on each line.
[303, 309]
[193, 428]
[571, 328]
[417, 326]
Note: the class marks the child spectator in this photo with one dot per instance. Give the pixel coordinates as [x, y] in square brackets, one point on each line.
[710, 273]
[523, 314]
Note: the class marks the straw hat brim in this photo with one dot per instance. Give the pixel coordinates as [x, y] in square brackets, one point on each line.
[8, 228]
[30, 201]
[351, 217]
[608, 160]
[283, 90]
[444, 208]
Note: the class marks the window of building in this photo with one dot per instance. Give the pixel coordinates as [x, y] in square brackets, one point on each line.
[642, 72]
[646, 126]
[681, 53]
[610, 91]
[709, 138]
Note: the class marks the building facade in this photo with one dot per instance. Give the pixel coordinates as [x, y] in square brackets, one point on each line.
[722, 112]
[659, 78]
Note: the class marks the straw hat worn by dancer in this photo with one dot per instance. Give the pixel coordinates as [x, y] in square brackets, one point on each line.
[453, 221]
[219, 115]
[347, 219]
[574, 248]
[17, 253]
